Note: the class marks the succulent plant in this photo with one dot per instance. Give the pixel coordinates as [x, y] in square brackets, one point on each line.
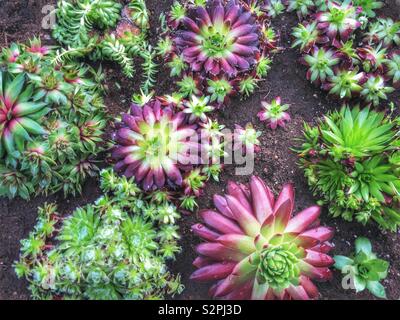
[219, 89]
[197, 108]
[306, 36]
[255, 249]
[226, 44]
[345, 83]
[302, 7]
[336, 62]
[102, 251]
[339, 20]
[216, 40]
[364, 268]
[374, 90]
[273, 8]
[274, 113]
[159, 142]
[385, 31]
[351, 163]
[368, 6]
[372, 58]
[152, 144]
[20, 114]
[246, 139]
[51, 121]
[393, 65]
[107, 30]
[320, 62]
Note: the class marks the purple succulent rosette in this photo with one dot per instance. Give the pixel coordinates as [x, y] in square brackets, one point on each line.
[338, 63]
[161, 145]
[223, 40]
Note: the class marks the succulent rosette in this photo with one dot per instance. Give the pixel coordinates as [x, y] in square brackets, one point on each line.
[274, 113]
[339, 20]
[337, 62]
[255, 249]
[51, 119]
[20, 114]
[246, 139]
[220, 39]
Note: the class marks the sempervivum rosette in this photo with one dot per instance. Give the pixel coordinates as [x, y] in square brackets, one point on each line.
[219, 38]
[255, 249]
[222, 38]
[156, 144]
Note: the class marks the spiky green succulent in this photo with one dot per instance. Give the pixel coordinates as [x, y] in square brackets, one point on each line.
[302, 7]
[111, 249]
[351, 164]
[306, 35]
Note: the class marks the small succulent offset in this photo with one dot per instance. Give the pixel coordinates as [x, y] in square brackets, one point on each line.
[385, 31]
[52, 119]
[351, 161]
[256, 250]
[274, 113]
[220, 40]
[115, 248]
[19, 114]
[159, 143]
[364, 268]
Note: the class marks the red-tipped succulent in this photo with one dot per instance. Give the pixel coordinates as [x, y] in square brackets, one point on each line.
[219, 38]
[156, 144]
[255, 249]
[223, 39]
[339, 20]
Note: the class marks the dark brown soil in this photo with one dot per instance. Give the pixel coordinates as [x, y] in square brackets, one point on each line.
[276, 164]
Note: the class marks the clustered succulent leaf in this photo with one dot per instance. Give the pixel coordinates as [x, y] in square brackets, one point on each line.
[351, 161]
[246, 139]
[338, 62]
[364, 270]
[163, 143]
[107, 30]
[225, 45]
[255, 249]
[115, 248]
[52, 120]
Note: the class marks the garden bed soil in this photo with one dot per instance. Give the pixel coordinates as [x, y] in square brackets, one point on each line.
[276, 163]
